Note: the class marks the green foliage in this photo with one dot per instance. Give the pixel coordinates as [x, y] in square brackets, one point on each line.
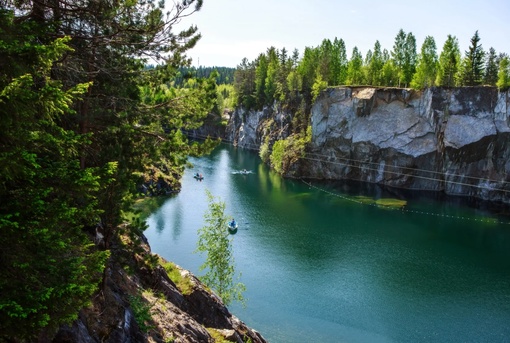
[48, 267]
[449, 62]
[404, 57]
[472, 66]
[183, 284]
[318, 86]
[504, 73]
[81, 120]
[375, 66]
[215, 241]
[426, 70]
[224, 75]
[491, 68]
[287, 151]
[141, 312]
[264, 152]
[278, 155]
[226, 97]
[355, 68]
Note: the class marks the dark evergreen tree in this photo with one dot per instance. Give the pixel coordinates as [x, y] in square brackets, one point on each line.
[472, 66]
[339, 62]
[491, 68]
[375, 66]
[245, 84]
[410, 57]
[399, 54]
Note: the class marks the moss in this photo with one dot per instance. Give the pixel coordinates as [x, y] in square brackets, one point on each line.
[184, 284]
[217, 336]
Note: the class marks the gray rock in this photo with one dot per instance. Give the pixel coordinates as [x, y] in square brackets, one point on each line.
[455, 140]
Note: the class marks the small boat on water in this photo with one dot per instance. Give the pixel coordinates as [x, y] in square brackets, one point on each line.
[232, 226]
[198, 176]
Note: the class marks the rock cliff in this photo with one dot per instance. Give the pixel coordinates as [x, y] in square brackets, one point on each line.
[138, 302]
[454, 140]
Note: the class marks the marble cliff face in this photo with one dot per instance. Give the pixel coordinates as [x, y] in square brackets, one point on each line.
[455, 140]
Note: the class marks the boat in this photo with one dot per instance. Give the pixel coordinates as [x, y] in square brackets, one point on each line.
[198, 176]
[232, 226]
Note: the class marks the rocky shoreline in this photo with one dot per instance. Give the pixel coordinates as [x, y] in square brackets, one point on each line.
[138, 302]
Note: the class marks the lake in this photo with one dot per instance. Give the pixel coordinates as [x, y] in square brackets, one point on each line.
[322, 263]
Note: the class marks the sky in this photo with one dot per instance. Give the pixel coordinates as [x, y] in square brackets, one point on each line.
[234, 29]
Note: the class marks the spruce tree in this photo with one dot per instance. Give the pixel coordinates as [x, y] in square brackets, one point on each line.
[491, 68]
[472, 67]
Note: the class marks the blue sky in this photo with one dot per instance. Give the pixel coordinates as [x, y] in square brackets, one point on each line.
[233, 29]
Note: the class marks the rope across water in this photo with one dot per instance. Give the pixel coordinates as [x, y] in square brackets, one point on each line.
[403, 209]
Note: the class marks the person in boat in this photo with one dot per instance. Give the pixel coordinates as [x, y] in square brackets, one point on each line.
[233, 223]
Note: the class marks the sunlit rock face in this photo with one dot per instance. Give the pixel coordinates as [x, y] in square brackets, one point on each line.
[455, 140]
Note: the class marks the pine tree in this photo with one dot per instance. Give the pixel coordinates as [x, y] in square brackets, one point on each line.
[399, 54]
[491, 68]
[472, 67]
[340, 62]
[410, 56]
[48, 267]
[375, 66]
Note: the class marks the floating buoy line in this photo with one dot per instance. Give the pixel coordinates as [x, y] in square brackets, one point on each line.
[404, 209]
[371, 166]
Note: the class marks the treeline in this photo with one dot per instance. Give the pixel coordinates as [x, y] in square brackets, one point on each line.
[223, 75]
[293, 79]
[82, 122]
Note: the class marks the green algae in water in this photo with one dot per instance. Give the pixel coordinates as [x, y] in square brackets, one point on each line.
[390, 203]
[364, 200]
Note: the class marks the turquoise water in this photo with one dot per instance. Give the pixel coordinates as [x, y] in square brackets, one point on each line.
[320, 267]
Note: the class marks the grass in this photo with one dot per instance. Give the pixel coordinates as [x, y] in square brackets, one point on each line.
[218, 338]
[183, 283]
